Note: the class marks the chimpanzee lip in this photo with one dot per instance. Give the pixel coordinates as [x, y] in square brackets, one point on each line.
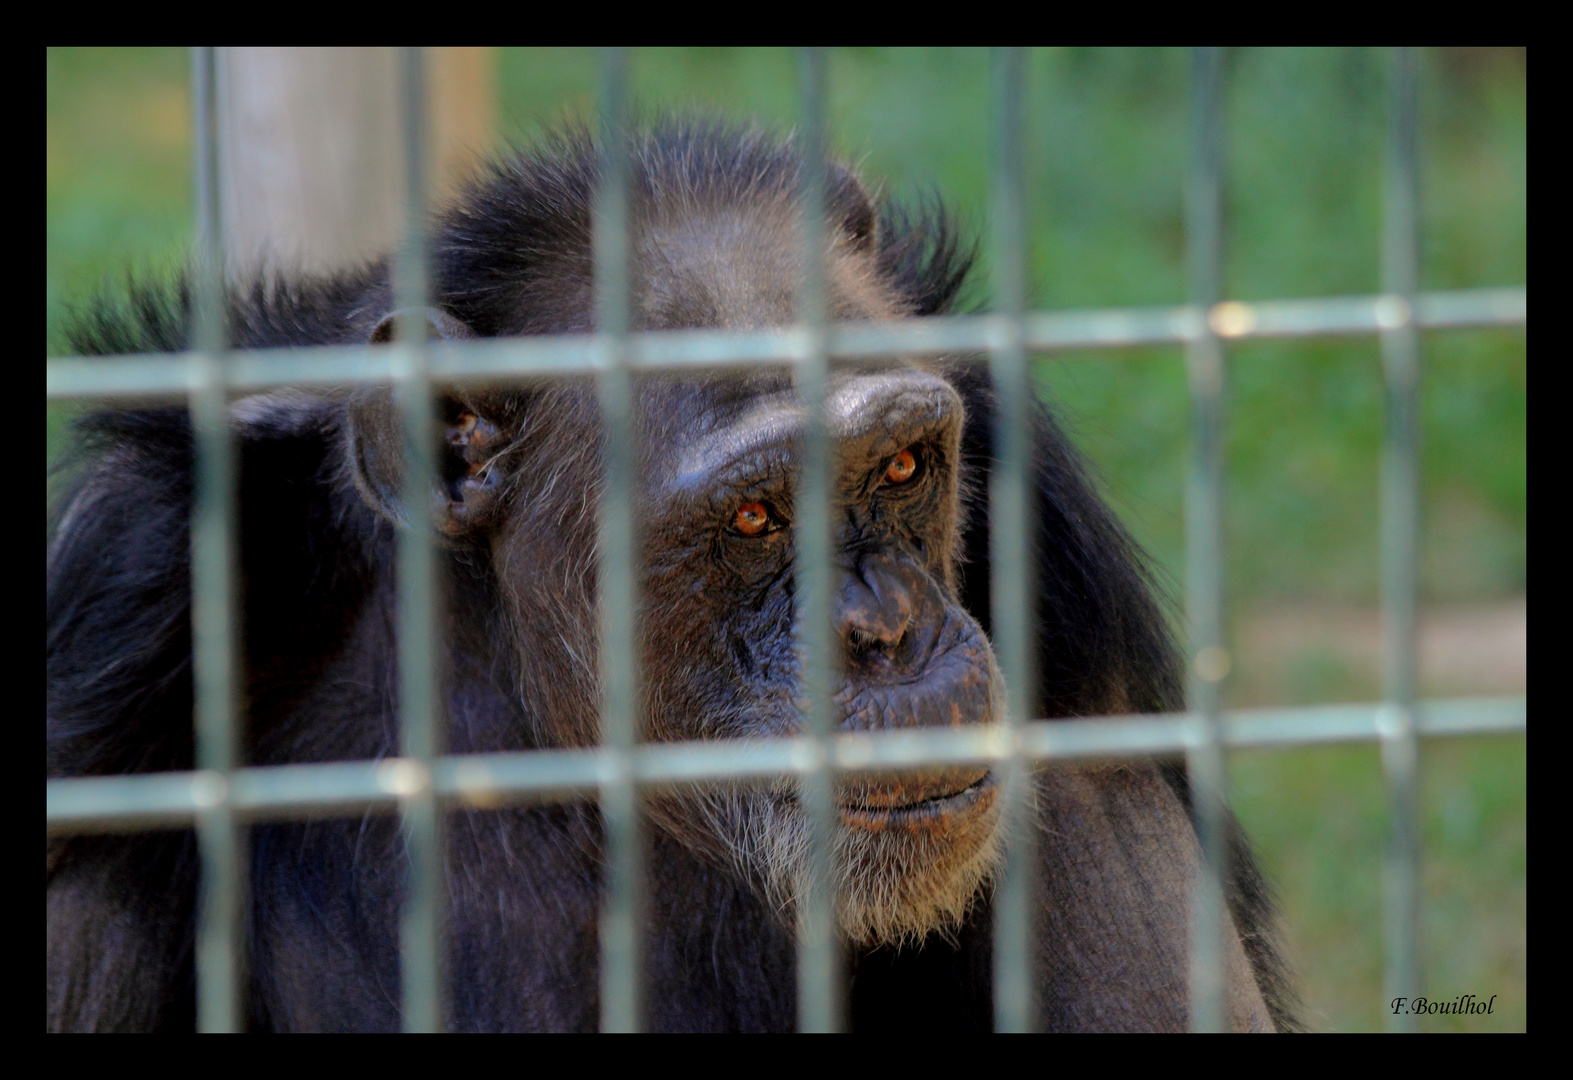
[932, 802]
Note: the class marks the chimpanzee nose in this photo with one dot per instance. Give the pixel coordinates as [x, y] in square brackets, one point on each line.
[875, 605]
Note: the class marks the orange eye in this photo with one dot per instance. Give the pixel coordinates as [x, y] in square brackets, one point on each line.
[901, 468]
[752, 519]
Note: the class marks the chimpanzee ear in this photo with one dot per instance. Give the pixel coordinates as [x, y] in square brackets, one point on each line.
[374, 438]
[464, 492]
[440, 326]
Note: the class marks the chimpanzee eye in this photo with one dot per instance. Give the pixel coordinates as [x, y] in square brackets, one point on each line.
[901, 468]
[752, 519]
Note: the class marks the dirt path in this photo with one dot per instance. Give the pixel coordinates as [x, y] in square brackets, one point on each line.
[1320, 652]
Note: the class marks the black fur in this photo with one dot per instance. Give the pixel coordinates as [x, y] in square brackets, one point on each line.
[510, 258]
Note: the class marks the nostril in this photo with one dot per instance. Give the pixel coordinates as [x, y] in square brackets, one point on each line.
[873, 609]
[871, 650]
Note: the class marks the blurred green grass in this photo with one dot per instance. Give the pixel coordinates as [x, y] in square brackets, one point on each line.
[1318, 818]
[1106, 163]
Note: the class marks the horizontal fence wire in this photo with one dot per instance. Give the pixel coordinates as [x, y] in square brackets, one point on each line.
[959, 337]
[344, 789]
[218, 797]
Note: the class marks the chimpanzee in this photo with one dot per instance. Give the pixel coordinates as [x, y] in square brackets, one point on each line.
[713, 234]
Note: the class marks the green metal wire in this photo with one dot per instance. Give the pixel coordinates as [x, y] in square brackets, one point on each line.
[220, 798]
[621, 921]
[353, 788]
[1208, 658]
[215, 657]
[458, 363]
[1010, 538]
[1401, 543]
[421, 916]
[819, 1002]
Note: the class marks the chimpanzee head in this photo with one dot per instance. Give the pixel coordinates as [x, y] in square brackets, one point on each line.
[714, 245]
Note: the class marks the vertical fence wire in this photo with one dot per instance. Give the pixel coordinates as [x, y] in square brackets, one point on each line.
[1401, 538]
[220, 955]
[1010, 532]
[818, 968]
[214, 595]
[1208, 658]
[618, 650]
[420, 927]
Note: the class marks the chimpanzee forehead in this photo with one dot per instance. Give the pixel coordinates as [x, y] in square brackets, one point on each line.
[733, 268]
[869, 415]
[678, 413]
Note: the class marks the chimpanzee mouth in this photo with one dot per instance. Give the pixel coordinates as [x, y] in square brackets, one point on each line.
[918, 802]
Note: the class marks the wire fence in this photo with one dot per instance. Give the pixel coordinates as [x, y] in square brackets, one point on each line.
[220, 799]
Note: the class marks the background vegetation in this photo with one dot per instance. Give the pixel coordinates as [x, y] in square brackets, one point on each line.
[1107, 159]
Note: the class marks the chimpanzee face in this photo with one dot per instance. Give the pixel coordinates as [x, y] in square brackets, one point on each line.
[721, 657]
[717, 527]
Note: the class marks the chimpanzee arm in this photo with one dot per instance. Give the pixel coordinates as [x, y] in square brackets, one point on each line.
[1103, 647]
[118, 686]
[1117, 855]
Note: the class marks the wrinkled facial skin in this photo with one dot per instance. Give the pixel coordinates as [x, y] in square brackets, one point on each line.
[719, 538]
[716, 522]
